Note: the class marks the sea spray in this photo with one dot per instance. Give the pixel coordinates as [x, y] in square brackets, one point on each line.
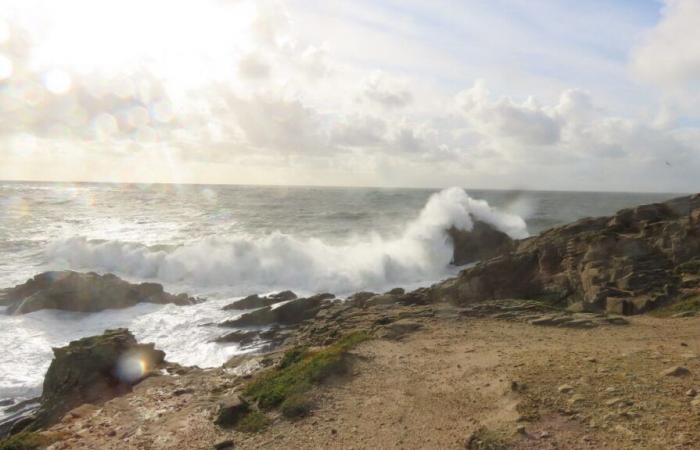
[421, 252]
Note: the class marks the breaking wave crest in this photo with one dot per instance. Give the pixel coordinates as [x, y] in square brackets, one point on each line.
[422, 252]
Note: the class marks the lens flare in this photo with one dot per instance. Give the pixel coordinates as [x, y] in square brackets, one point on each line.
[131, 367]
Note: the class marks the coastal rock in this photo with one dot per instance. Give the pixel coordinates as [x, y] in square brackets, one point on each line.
[93, 370]
[629, 263]
[480, 243]
[84, 292]
[255, 301]
[290, 313]
[230, 411]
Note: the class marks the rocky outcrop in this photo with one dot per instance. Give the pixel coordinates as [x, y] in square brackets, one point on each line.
[255, 301]
[84, 292]
[93, 370]
[290, 313]
[480, 243]
[629, 263]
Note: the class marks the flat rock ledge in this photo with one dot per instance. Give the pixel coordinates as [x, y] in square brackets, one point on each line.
[84, 292]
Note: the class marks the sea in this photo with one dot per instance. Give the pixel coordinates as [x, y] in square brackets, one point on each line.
[223, 242]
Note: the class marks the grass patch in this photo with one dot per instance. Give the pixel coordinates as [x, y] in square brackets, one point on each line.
[299, 370]
[253, 422]
[296, 405]
[28, 440]
[485, 439]
[691, 303]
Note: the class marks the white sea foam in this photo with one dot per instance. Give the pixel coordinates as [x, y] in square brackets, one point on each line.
[422, 252]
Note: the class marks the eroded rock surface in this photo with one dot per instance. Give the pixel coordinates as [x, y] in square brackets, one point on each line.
[629, 263]
[84, 292]
[93, 370]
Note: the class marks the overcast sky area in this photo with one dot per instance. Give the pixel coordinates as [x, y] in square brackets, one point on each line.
[525, 94]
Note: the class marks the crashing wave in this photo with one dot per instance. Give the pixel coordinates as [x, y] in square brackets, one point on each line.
[421, 252]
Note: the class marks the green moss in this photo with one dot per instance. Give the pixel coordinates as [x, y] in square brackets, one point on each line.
[253, 422]
[691, 303]
[296, 405]
[26, 440]
[300, 369]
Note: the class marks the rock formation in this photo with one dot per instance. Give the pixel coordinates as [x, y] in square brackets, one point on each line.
[83, 292]
[629, 263]
[93, 370]
[479, 244]
[255, 301]
[290, 313]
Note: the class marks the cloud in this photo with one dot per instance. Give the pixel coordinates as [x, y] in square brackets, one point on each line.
[524, 122]
[359, 131]
[387, 92]
[253, 66]
[669, 56]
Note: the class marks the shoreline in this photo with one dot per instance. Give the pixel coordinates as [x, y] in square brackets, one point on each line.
[578, 279]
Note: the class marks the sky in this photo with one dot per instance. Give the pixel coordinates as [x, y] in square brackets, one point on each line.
[599, 95]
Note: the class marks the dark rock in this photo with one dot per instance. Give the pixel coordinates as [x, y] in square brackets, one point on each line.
[84, 292]
[230, 411]
[7, 402]
[396, 291]
[678, 371]
[255, 301]
[290, 313]
[482, 242]
[93, 370]
[239, 336]
[223, 445]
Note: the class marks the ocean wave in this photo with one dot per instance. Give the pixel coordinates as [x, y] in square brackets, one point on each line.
[422, 252]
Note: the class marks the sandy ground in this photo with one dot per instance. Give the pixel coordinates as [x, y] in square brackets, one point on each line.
[435, 388]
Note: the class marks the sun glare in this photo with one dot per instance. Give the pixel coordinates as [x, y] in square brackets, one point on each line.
[184, 42]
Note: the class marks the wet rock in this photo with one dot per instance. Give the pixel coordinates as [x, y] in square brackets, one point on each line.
[239, 336]
[7, 402]
[480, 243]
[85, 292]
[93, 370]
[290, 313]
[677, 371]
[255, 301]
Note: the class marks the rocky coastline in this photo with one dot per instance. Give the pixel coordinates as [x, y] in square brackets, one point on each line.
[568, 307]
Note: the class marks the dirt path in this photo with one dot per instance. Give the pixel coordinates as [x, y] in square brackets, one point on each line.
[435, 388]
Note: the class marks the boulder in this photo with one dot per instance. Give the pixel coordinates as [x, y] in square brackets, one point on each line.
[231, 411]
[255, 301]
[290, 313]
[84, 292]
[93, 370]
[480, 243]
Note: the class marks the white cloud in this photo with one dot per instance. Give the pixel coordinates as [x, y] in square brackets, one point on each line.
[386, 91]
[524, 122]
[670, 53]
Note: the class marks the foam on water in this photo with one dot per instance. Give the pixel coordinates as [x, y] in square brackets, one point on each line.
[421, 252]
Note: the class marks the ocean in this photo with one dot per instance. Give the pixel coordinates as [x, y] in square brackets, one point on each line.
[225, 242]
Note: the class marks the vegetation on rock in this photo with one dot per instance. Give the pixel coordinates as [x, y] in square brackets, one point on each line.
[299, 371]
